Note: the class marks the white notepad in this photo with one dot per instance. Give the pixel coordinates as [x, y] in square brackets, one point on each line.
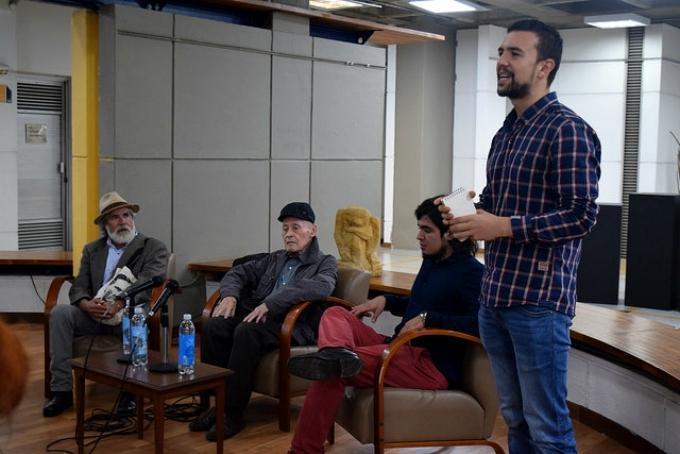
[460, 203]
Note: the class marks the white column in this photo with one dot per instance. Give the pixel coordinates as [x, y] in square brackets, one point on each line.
[479, 111]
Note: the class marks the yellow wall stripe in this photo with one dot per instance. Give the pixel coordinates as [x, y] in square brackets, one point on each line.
[84, 130]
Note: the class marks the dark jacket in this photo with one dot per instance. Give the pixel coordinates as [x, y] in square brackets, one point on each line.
[146, 257]
[448, 291]
[252, 282]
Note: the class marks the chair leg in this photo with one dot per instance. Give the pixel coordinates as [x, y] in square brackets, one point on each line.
[284, 412]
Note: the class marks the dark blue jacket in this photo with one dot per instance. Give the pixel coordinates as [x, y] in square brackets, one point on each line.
[449, 291]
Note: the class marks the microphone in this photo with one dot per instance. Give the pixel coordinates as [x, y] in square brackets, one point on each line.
[131, 291]
[171, 287]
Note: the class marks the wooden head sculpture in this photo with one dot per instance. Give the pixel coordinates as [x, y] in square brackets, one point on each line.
[357, 234]
[13, 370]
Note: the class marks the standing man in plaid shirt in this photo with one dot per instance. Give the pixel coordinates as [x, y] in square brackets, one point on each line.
[539, 201]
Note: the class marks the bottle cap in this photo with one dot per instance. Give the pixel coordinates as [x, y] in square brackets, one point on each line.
[139, 310]
[186, 316]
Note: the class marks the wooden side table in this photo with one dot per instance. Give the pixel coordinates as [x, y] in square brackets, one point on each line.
[103, 368]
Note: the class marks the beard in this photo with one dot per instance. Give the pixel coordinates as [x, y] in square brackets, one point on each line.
[122, 235]
[514, 90]
[437, 256]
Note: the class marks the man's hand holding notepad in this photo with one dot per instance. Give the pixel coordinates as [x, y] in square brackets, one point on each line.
[460, 204]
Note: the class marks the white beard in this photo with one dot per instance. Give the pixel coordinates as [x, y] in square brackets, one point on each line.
[122, 235]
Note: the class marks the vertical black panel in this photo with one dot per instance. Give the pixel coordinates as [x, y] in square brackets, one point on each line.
[653, 263]
[598, 271]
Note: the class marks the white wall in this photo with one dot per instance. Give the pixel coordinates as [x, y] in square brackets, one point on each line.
[660, 110]
[478, 111]
[35, 38]
[591, 81]
[43, 38]
[423, 122]
[639, 404]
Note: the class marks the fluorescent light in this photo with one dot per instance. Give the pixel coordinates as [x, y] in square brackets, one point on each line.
[444, 6]
[331, 5]
[616, 21]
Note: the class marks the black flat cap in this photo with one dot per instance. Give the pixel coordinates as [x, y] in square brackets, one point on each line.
[299, 210]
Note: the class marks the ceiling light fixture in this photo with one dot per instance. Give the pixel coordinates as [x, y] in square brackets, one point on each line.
[617, 21]
[332, 5]
[446, 6]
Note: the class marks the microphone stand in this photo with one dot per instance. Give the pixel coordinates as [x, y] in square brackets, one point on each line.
[165, 366]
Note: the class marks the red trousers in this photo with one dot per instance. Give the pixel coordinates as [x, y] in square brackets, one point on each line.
[412, 367]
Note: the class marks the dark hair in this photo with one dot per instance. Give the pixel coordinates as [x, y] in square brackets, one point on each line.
[549, 41]
[429, 209]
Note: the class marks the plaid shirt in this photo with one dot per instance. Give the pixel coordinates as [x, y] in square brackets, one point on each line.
[542, 172]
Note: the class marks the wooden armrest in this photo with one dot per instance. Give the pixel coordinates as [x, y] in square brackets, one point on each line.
[52, 297]
[210, 305]
[297, 310]
[285, 338]
[399, 341]
[386, 359]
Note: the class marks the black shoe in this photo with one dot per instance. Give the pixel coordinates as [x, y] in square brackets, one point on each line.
[60, 401]
[334, 362]
[126, 406]
[232, 426]
[204, 421]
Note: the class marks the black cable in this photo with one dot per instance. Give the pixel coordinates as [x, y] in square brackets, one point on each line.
[129, 428]
[118, 398]
[36, 290]
[183, 412]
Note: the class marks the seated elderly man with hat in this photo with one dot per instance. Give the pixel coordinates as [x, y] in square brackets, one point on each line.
[120, 248]
[255, 298]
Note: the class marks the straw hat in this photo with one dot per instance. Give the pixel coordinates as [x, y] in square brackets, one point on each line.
[110, 202]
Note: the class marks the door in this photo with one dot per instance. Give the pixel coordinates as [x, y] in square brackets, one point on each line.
[41, 162]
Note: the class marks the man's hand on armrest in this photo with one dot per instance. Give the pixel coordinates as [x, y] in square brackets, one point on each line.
[225, 308]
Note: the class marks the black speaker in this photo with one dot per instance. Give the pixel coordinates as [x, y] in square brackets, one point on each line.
[653, 262]
[597, 280]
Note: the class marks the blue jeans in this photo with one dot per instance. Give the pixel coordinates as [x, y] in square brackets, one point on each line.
[529, 347]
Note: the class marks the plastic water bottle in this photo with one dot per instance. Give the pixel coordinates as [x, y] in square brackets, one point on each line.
[125, 325]
[139, 339]
[186, 354]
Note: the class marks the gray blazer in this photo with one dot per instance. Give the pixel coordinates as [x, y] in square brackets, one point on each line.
[146, 257]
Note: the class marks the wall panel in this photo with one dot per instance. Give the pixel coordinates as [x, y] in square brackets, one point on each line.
[143, 101]
[347, 113]
[222, 103]
[291, 108]
[338, 184]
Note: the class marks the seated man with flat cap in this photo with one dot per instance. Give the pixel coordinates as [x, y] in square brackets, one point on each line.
[120, 247]
[256, 296]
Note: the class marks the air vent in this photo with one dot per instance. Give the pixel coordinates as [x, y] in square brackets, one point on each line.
[40, 97]
[631, 138]
[43, 234]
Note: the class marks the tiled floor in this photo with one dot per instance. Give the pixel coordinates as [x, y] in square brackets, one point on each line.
[408, 261]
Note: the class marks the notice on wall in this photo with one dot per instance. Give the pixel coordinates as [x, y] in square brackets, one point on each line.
[36, 133]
